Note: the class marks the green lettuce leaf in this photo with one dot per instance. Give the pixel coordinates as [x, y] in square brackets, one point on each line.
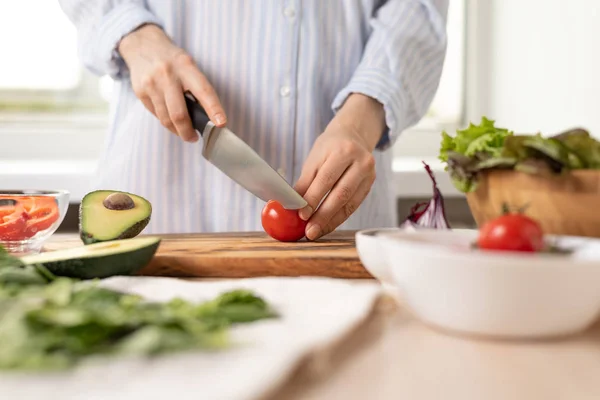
[446, 146]
[472, 150]
[485, 146]
[585, 147]
[484, 138]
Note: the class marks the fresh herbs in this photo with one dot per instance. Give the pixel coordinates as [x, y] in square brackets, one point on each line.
[49, 322]
[485, 147]
[431, 214]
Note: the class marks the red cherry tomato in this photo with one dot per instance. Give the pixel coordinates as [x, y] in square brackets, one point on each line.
[282, 224]
[512, 232]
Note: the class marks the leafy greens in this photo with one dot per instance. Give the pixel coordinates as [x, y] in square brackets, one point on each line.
[485, 146]
[49, 322]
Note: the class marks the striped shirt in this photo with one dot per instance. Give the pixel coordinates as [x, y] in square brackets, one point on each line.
[281, 70]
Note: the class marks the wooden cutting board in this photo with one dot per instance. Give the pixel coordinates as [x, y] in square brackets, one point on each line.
[241, 255]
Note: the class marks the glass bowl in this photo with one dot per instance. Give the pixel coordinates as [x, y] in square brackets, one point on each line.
[29, 217]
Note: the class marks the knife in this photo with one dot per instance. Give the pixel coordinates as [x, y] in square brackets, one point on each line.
[236, 159]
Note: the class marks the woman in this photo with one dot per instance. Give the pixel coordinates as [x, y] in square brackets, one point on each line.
[320, 89]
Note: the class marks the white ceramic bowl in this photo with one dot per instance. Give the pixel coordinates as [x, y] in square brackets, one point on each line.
[372, 255]
[451, 286]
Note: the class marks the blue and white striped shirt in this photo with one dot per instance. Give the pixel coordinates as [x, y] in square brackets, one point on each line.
[281, 70]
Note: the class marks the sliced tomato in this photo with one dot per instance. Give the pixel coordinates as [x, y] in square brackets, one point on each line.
[13, 222]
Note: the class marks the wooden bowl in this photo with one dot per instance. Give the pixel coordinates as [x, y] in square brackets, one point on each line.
[568, 204]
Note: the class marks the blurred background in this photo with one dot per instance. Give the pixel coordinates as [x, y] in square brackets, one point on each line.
[530, 65]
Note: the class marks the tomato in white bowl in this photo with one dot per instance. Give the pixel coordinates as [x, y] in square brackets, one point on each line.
[452, 285]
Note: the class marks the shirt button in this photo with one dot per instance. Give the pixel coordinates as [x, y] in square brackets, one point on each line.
[289, 12]
[285, 91]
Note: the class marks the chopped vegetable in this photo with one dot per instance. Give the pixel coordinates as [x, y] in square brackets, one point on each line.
[21, 217]
[49, 322]
[484, 147]
[41, 217]
[431, 214]
[13, 220]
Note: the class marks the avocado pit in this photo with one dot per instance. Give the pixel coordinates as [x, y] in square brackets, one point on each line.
[118, 202]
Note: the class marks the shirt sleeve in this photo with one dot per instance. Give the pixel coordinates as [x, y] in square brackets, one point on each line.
[402, 62]
[101, 24]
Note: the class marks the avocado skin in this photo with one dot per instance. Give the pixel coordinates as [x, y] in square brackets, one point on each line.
[104, 266]
[131, 232]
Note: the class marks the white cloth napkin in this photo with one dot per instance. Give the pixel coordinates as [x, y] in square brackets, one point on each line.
[314, 312]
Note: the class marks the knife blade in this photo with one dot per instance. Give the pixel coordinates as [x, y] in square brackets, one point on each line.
[236, 159]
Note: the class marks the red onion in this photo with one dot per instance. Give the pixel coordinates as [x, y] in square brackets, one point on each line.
[430, 215]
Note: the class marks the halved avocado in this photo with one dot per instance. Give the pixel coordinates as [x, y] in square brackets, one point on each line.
[98, 260]
[106, 215]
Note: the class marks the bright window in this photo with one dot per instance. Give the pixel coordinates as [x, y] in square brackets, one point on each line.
[33, 61]
[42, 72]
[447, 106]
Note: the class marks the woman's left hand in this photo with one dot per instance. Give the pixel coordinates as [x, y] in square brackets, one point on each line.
[341, 163]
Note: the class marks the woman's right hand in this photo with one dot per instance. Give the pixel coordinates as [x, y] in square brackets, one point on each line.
[160, 74]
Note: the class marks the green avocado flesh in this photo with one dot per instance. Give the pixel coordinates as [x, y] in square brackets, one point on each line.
[98, 260]
[97, 223]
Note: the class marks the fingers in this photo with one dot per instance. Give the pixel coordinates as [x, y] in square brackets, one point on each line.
[147, 102]
[325, 178]
[306, 177]
[338, 199]
[178, 113]
[195, 81]
[160, 109]
[348, 209]
[161, 83]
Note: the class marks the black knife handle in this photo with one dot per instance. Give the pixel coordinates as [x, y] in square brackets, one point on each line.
[197, 114]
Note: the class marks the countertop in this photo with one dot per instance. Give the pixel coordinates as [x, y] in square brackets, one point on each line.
[404, 359]
[395, 356]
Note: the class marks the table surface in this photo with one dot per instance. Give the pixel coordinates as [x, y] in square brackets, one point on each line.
[395, 356]
[408, 360]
